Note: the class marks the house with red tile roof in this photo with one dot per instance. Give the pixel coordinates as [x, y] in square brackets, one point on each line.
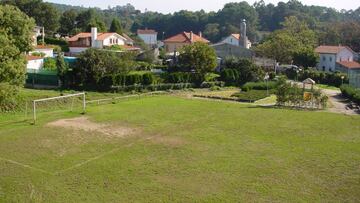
[342, 59]
[335, 58]
[93, 39]
[176, 42]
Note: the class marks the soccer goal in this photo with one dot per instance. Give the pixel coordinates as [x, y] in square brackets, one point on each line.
[67, 102]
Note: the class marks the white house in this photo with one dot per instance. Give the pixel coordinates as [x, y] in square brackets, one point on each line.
[234, 39]
[34, 63]
[85, 40]
[239, 39]
[148, 36]
[331, 57]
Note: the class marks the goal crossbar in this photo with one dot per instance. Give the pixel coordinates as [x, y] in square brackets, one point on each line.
[59, 97]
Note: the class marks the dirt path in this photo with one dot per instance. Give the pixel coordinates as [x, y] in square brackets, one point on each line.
[339, 104]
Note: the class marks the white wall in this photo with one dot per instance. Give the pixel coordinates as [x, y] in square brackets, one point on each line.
[106, 42]
[231, 40]
[35, 64]
[150, 39]
[328, 61]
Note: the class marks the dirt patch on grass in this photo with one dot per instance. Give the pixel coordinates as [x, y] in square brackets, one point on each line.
[84, 124]
[168, 141]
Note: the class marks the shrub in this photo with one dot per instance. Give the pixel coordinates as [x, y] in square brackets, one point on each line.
[148, 79]
[259, 86]
[351, 93]
[9, 99]
[50, 64]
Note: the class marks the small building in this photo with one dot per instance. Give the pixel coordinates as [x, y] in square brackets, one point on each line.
[235, 39]
[224, 50]
[34, 63]
[148, 36]
[330, 56]
[85, 40]
[176, 42]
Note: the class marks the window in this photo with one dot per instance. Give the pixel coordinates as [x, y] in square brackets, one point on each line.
[330, 58]
[323, 68]
[324, 58]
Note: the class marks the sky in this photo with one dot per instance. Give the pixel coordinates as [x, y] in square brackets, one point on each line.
[169, 6]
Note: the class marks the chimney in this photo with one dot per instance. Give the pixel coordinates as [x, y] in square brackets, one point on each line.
[191, 37]
[243, 36]
[94, 35]
[200, 34]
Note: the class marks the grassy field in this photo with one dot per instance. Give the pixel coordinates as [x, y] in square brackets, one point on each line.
[182, 150]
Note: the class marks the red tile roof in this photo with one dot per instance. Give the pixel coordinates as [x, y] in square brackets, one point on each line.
[31, 58]
[349, 64]
[146, 31]
[101, 36]
[237, 36]
[331, 49]
[184, 37]
[43, 47]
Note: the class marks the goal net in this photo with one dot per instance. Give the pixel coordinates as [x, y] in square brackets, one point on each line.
[71, 102]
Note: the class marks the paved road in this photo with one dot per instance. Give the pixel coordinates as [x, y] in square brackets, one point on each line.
[339, 104]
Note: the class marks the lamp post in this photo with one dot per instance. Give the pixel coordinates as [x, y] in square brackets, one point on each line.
[342, 79]
[266, 78]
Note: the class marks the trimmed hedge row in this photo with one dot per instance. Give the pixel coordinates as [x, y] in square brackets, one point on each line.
[153, 87]
[259, 86]
[333, 79]
[351, 92]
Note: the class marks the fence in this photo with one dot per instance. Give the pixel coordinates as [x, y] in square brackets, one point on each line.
[42, 78]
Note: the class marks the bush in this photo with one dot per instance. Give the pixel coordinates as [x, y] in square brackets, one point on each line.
[351, 93]
[259, 86]
[148, 79]
[154, 87]
[9, 99]
[50, 64]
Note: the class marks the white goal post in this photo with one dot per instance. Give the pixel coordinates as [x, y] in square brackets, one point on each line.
[57, 98]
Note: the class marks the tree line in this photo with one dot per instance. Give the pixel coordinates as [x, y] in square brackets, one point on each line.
[332, 25]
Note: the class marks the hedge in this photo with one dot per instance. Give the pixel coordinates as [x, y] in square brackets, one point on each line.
[259, 86]
[153, 87]
[351, 93]
[333, 79]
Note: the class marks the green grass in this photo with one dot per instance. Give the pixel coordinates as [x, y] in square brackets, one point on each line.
[321, 86]
[185, 151]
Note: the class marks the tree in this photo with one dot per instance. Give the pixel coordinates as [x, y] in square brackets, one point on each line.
[68, 22]
[88, 19]
[62, 68]
[243, 70]
[116, 26]
[94, 65]
[50, 64]
[14, 41]
[306, 58]
[212, 31]
[43, 13]
[199, 57]
[283, 44]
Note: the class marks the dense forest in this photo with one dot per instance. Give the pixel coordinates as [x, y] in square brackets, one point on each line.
[332, 26]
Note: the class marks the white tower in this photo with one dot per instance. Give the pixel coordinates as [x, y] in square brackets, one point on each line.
[94, 35]
[243, 36]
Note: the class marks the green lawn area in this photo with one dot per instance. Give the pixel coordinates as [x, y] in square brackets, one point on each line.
[321, 86]
[182, 150]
